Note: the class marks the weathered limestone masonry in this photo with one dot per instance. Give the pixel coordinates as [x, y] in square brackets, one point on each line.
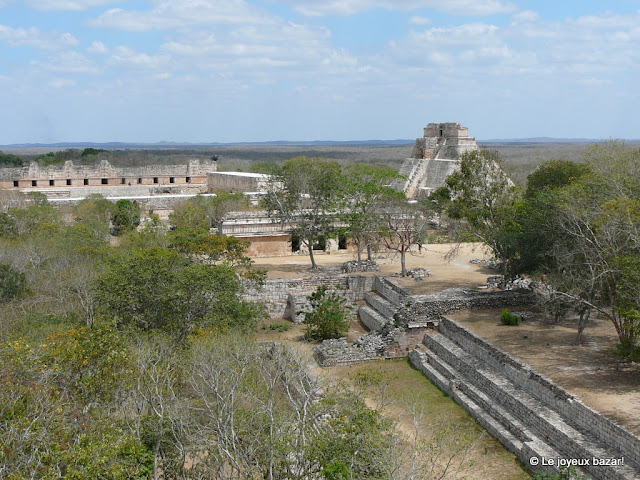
[70, 180]
[282, 297]
[429, 308]
[385, 339]
[528, 413]
[435, 156]
[237, 181]
[398, 321]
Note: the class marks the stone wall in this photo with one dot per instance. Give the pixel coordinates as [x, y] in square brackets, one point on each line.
[545, 391]
[274, 294]
[426, 307]
[236, 181]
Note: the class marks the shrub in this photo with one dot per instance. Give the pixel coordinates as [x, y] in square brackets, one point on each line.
[508, 318]
[13, 283]
[329, 315]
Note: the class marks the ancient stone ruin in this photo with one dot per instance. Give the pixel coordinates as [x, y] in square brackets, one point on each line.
[435, 156]
[69, 180]
[530, 415]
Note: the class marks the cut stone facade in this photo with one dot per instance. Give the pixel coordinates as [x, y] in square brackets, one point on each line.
[69, 180]
[435, 156]
[237, 182]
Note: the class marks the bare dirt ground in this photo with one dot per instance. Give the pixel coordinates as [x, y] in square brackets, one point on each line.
[446, 273]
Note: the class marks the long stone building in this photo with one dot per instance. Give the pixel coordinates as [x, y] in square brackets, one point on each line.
[69, 180]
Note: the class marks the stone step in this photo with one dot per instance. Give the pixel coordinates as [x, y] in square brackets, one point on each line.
[543, 422]
[372, 319]
[510, 424]
[524, 448]
[385, 288]
[380, 304]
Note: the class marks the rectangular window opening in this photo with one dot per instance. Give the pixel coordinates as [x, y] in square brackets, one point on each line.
[52, 183]
[68, 181]
[172, 180]
[188, 180]
[155, 179]
[85, 181]
[104, 181]
[16, 183]
[34, 183]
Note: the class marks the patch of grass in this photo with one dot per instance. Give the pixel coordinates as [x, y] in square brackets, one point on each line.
[280, 327]
[405, 385]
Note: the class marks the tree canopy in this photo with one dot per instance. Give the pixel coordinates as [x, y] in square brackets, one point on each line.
[303, 194]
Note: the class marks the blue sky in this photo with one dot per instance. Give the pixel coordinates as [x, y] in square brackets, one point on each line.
[262, 70]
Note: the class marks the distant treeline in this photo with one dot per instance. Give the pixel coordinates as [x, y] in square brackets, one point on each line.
[518, 159]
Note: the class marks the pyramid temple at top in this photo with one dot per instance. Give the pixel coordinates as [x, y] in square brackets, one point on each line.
[435, 156]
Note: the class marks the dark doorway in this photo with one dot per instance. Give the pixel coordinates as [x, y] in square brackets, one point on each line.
[295, 243]
[321, 244]
[342, 242]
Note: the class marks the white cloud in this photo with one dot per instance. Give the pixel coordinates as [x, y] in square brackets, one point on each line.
[594, 47]
[526, 16]
[128, 57]
[172, 14]
[67, 62]
[34, 37]
[62, 83]
[98, 48]
[51, 5]
[420, 21]
[350, 7]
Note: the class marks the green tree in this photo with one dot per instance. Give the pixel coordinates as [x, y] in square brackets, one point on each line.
[329, 315]
[365, 190]
[13, 283]
[92, 151]
[482, 198]
[304, 196]
[93, 362]
[9, 160]
[554, 174]
[593, 232]
[38, 215]
[204, 212]
[8, 227]
[161, 289]
[125, 217]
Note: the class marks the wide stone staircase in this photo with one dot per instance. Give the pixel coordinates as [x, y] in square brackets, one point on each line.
[537, 420]
[381, 303]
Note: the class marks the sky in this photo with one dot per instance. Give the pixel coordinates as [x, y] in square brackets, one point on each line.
[301, 70]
